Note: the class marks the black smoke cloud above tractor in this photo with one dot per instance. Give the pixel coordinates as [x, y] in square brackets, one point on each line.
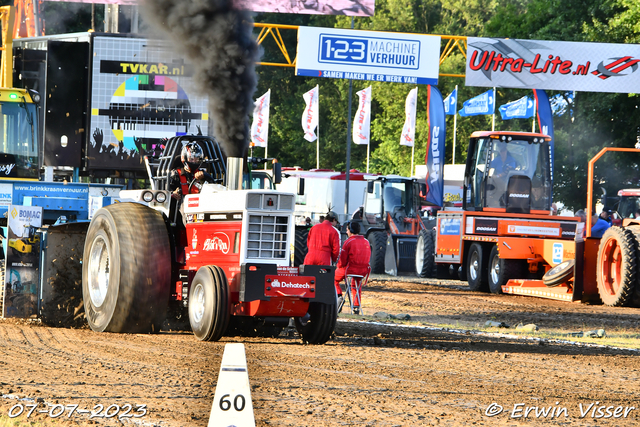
[218, 41]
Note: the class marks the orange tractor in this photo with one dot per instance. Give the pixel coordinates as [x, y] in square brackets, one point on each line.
[505, 239]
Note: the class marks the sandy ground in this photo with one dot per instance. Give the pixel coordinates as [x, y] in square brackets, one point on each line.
[371, 374]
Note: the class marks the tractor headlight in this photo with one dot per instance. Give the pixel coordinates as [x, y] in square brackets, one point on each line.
[147, 196]
[161, 197]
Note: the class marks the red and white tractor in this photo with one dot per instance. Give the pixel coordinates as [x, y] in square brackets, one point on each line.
[221, 255]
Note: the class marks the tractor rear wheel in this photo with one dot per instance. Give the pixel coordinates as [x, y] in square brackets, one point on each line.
[635, 299]
[318, 324]
[477, 268]
[616, 267]
[502, 270]
[425, 251]
[209, 307]
[300, 248]
[378, 241]
[126, 269]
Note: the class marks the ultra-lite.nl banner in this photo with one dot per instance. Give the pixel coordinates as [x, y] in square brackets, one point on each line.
[537, 64]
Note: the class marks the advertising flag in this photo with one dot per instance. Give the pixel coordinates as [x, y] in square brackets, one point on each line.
[520, 109]
[435, 147]
[545, 118]
[310, 115]
[409, 130]
[260, 125]
[481, 105]
[451, 103]
[362, 120]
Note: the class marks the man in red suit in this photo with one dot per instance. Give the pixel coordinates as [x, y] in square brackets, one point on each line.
[323, 242]
[354, 259]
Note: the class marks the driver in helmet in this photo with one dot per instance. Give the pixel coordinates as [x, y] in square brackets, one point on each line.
[189, 178]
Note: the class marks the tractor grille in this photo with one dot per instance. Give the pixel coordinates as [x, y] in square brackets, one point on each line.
[270, 202]
[267, 236]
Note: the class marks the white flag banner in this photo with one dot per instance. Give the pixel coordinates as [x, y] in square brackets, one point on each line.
[260, 125]
[362, 120]
[409, 129]
[310, 115]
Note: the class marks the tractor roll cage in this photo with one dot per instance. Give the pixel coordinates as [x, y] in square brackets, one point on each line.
[160, 168]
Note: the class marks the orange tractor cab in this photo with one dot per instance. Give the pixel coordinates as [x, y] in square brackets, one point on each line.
[505, 239]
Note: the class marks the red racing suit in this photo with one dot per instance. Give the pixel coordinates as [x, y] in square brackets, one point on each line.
[354, 259]
[323, 243]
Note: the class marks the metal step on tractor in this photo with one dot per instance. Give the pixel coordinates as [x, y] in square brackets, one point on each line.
[220, 257]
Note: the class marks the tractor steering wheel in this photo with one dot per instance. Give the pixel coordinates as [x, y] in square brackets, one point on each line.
[197, 183]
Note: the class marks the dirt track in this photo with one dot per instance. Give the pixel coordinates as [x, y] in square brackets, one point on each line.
[370, 374]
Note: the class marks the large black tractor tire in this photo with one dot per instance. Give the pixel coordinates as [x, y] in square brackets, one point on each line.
[635, 299]
[126, 270]
[502, 270]
[477, 263]
[318, 325]
[559, 274]
[616, 267]
[209, 307]
[300, 248]
[378, 241]
[425, 254]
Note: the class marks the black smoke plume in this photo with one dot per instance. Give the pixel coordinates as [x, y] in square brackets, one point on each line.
[217, 40]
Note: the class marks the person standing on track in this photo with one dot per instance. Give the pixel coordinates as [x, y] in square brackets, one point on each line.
[323, 242]
[354, 259]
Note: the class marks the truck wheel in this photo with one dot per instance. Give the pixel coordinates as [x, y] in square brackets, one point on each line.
[300, 246]
[126, 269]
[318, 325]
[477, 269]
[378, 241]
[501, 270]
[209, 309]
[616, 267]
[559, 274]
[425, 250]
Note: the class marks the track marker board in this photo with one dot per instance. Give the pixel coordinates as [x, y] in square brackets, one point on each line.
[232, 401]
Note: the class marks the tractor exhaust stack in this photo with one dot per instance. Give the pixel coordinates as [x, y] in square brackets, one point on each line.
[234, 173]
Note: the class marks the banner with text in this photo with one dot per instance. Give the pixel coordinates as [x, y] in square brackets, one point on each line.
[451, 103]
[409, 130]
[520, 109]
[362, 120]
[309, 7]
[537, 64]
[481, 105]
[368, 55]
[435, 146]
[22, 265]
[310, 114]
[260, 124]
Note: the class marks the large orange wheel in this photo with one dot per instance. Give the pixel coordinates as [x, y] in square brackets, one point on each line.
[616, 268]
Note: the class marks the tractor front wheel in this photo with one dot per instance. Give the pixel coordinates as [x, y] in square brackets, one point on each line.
[378, 241]
[209, 306]
[616, 267]
[425, 251]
